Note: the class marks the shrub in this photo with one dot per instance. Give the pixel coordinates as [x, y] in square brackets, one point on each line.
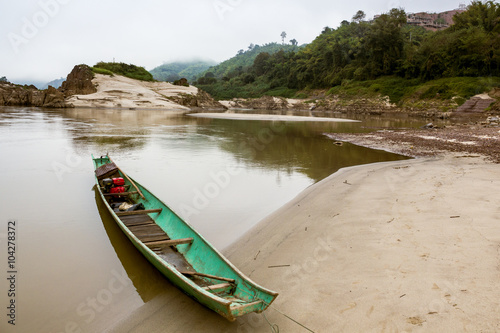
[97, 70]
[181, 82]
[131, 71]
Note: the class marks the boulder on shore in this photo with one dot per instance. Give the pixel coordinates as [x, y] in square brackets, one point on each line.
[79, 82]
[17, 95]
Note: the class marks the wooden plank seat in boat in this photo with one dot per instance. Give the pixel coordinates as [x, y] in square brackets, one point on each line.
[210, 276]
[149, 233]
[170, 242]
[243, 308]
[139, 212]
[221, 287]
[119, 194]
[132, 220]
[144, 228]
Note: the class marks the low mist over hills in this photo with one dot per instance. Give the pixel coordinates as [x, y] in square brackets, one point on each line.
[181, 69]
[54, 83]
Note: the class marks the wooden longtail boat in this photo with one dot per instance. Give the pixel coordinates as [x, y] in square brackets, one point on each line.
[181, 254]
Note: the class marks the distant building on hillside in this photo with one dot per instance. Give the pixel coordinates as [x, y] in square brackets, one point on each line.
[434, 21]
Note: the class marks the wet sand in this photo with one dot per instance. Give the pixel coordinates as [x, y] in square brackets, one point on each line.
[468, 139]
[268, 117]
[408, 246]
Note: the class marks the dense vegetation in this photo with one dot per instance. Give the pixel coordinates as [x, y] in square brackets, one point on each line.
[385, 55]
[412, 91]
[176, 70]
[131, 71]
[241, 63]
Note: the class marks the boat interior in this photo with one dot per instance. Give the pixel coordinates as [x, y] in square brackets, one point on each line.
[142, 224]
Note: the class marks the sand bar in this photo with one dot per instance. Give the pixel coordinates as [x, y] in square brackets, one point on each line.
[407, 246]
[268, 117]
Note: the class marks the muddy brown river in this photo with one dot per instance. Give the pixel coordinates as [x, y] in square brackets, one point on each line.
[69, 268]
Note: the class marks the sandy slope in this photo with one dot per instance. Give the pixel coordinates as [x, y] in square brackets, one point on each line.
[396, 247]
[122, 92]
[408, 246]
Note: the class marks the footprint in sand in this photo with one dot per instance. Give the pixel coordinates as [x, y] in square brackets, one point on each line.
[415, 321]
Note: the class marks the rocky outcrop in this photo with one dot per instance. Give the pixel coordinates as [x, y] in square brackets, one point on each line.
[262, 103]
[495, 108]
[320, 104]
[476, 104]
[358, 105]
[269, 103]
[200, 100]
[429, 108]
[53, 98]
[17, 95]
[79, 82]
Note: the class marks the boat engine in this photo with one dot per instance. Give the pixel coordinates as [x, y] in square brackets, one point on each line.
[107, 183]
[114, 185]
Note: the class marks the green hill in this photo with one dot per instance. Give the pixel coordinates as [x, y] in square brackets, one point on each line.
[385, 56]
[177, 70]
[244, 59]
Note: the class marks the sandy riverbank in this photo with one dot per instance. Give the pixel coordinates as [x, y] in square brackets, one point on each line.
[409, 246]
[473, 139]
[268, 117]
[122, 92]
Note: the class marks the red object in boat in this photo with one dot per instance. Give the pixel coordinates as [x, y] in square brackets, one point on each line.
[118, 181]
[119, 189]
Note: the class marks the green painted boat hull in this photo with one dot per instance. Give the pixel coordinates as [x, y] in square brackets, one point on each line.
[246, 295]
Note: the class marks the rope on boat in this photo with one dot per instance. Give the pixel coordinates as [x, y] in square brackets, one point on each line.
[274, 327]
[307, 328]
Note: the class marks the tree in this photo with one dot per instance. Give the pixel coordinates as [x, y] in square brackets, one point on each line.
[251, 47]
[260, 63]
[359, 16]
[386, 41]
[484, 15]
[294, 42]
[247, 78]
[283, 36]
[240, 52]
[3, 79]
[326, 30]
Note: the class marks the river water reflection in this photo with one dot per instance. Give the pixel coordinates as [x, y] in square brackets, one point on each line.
[223, 176]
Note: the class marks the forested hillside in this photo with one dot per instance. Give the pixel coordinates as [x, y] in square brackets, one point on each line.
[387, 52]
[177, 70]
[242, 62]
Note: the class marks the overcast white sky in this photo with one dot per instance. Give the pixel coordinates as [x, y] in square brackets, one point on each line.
[41, 40]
